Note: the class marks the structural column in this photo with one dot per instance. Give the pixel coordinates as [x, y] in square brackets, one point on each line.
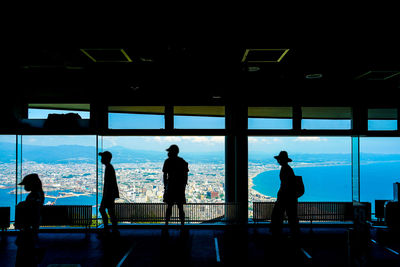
[236, 159]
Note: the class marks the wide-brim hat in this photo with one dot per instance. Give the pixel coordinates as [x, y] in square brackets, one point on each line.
[283, 155]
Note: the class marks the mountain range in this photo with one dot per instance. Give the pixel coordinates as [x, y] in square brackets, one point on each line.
[87, 154]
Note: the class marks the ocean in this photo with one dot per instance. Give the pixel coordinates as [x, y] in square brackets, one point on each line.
[8, 200]
[333, 183]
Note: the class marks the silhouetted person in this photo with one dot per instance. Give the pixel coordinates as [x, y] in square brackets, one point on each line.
[175, 178]
[28, 221]
[110, 193]
[287, 198]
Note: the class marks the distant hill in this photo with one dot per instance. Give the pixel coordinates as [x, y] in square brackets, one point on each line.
[87, 154]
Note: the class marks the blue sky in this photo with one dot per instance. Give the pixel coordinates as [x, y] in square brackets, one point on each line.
[210, 143]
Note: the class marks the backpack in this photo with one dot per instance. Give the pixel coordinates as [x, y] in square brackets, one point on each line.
[299, 186]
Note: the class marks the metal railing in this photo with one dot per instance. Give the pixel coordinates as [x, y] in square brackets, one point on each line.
[57, 215]
[194, 212]
[310, 211]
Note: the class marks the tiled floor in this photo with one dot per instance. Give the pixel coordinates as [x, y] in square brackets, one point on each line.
[230, 246]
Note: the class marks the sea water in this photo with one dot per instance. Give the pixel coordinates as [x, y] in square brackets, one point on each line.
[333, 183]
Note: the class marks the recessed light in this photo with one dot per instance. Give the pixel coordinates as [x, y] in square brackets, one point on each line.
[314, 76]
[253, 68]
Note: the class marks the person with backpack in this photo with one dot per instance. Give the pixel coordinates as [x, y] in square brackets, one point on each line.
[175, 178]
[287, 198]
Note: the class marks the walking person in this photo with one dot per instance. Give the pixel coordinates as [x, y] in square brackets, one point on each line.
[175, 178]
[287, 198]
[110, 193]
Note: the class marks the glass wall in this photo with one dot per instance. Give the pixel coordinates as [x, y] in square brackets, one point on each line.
[379, 168]
[323, 162]
[65, 164]
[138, 162]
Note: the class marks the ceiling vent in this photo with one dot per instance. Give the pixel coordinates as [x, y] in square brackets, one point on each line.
[107, 55]
[378, 75]
[264, 55]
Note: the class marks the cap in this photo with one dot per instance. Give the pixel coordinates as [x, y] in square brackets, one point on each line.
[173, 148]
[30, 179]
[106, 154]
[283, 155]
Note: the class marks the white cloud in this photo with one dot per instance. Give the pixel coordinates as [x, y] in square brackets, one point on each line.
[309, 139]
[196, 139]
[167, 139]
[218, 139]
[253, 140]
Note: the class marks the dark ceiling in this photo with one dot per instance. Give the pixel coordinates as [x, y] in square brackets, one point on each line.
[328, 72]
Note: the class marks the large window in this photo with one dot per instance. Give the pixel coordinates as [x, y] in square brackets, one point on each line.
[324, 163]
[66, 166]
[138, 162]
[8, 172]
[379, 168]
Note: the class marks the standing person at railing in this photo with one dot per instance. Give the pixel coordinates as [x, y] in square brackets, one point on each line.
[27, 220]
[110, 193]
[175, 178]
[287, 198]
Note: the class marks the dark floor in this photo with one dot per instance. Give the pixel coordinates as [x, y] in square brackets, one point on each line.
[229, 246]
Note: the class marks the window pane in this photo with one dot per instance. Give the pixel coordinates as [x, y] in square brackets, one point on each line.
[382, 125]
[136, 117]
[326, 124]
[41, 111]
[199, 117]
[379, 168]
[66, 166]
[270, 124]
[323, 162]
[326, 118]
[270, 118]
[138, 162]
[192, 122]
[382, 119]
[8, 173]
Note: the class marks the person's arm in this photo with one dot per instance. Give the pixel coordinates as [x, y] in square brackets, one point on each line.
[165, 179]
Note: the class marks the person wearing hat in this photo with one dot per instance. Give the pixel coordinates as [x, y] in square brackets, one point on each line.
[287, 198]
[27, 219]
[28, 211]
[175, 177]
[110, 193]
